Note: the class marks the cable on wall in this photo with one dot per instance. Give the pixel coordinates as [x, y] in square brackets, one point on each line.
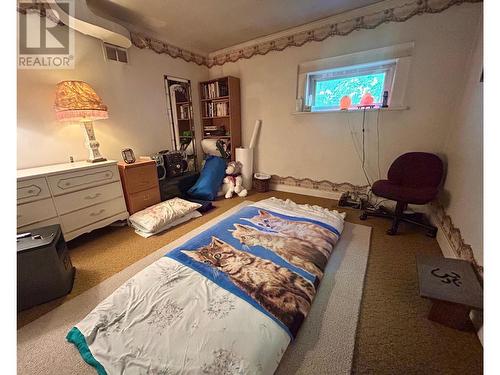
[354, 139]
[378, 144]
[363, 148]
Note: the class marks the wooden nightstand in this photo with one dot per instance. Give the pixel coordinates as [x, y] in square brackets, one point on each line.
[140, 184]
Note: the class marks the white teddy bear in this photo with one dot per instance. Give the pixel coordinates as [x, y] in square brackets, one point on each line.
[233, 182]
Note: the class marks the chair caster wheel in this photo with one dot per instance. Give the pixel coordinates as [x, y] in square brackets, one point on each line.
[363, 216]
[391, 232]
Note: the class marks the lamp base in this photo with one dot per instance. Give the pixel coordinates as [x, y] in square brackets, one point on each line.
[91, 143]
[96, 160]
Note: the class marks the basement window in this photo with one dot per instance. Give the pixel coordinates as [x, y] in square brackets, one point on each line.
[326, 88]
[322, 83]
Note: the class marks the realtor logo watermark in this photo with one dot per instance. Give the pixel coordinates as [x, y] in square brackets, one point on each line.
[44, 39]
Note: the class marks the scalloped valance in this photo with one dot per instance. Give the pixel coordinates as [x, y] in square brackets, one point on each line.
[400, 13]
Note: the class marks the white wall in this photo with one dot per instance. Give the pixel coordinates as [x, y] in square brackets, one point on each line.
[319, 146]
[134, 94]
[463, 190]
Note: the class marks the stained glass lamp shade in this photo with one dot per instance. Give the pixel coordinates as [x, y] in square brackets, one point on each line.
[76, 101]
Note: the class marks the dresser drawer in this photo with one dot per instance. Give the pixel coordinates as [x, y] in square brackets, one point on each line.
[89, 215]
[33, 212]
[140, 178]
[73, 181]
[143, 199]
[32, 190]
[88, 197]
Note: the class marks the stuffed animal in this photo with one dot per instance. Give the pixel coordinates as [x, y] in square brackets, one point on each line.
[233, 182]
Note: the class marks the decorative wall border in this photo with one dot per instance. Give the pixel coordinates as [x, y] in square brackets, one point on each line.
[461, 249]
[316, 33]
[323, 185]
[142, 41]
[400, 13]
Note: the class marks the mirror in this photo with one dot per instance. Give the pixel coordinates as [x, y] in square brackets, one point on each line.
[180, 115]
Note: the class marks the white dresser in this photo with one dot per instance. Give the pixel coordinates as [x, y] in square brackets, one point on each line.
[79, 196]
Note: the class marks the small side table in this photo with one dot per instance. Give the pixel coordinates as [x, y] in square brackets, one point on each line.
[140, 184]
[453, 288]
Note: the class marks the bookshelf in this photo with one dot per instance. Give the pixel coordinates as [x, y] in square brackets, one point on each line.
[221, 111]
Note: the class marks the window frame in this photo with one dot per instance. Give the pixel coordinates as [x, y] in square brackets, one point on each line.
[312, 78]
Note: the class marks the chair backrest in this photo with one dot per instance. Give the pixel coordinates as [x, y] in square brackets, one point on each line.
[416, 169]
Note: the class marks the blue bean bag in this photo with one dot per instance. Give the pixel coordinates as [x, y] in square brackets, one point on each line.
[210, 179]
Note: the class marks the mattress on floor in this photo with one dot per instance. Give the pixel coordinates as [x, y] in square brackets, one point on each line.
[229, 300]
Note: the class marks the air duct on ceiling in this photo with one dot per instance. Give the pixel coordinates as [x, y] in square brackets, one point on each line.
[88, 23]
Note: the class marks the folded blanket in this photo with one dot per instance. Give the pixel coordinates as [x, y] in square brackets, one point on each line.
[157, 217]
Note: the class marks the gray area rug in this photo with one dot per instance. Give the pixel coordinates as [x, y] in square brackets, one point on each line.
[324, 345]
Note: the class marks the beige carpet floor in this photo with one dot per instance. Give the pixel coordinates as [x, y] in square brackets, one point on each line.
[324, 345]
[393, 335]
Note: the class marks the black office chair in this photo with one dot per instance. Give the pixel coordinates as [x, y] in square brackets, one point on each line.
[413, 178]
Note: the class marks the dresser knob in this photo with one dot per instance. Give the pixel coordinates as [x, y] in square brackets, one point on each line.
[97, 213]
[93, 196]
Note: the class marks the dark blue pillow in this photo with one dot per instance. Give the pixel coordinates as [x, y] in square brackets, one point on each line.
[210, 179]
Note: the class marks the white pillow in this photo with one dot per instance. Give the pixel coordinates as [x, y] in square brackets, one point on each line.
[153, 218]
[189, 216]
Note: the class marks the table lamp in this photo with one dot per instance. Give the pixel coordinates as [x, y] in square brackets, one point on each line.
[76, 101]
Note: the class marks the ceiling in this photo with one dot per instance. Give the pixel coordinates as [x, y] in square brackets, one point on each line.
[206, 26]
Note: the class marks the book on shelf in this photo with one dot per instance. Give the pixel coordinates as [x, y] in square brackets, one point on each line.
[216, 109]
[215, 89]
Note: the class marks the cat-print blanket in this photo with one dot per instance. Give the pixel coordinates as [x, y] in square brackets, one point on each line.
[228, 301]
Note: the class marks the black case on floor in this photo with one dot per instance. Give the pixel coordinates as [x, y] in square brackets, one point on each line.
[44, 269]
[177, 186]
